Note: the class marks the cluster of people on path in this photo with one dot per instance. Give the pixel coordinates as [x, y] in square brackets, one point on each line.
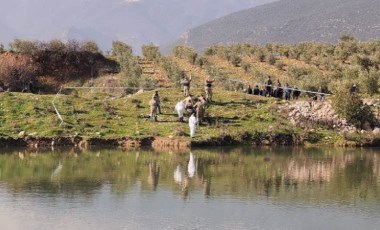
[278, 91]
[194, 107]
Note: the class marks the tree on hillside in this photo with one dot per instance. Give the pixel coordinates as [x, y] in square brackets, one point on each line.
[151, 52]
[350, 106]
[370, 81]
[129, 64]
[186, 52]
[90, 46]
[1, 48]
[24, 46]
[346, 47]
[56, 46]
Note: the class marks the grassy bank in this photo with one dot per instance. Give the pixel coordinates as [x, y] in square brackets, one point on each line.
[232, 118]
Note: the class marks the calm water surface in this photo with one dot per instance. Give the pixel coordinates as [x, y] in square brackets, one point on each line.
[285, 188]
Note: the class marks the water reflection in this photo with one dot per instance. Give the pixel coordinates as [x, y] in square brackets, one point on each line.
[191, 166]
[309, 175]
[178, 174]
[269, 188]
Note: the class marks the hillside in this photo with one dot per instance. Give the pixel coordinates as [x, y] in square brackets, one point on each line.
[291, 21]
[135, 22]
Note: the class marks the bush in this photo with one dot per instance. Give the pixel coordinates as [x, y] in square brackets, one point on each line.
[235, 60]
[350, 106]
[17, 71]
[151, 52]
[279, 65]
[370, 81]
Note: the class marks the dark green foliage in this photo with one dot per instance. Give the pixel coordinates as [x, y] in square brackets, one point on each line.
[370, 81]
[185, 52]
[129, 65]
[201, 61]
[174, 72]
[351, 107]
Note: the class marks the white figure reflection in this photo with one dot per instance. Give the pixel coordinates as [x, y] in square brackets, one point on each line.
[191, 166]
[192, 125]
[178, 174]
[57, 171]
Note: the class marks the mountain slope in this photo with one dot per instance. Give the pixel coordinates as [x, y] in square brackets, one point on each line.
[292, 21]
[133, 21]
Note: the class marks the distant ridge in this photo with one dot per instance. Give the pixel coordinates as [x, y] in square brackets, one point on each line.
[291, 21]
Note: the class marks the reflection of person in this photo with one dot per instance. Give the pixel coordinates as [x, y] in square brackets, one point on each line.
[192, 125]
[178, 174]
[154, 174]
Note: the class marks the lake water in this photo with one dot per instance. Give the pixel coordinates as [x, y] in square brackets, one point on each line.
[267, 188]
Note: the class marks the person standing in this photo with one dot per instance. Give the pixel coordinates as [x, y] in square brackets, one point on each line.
[208, 88]
[249, 90]
[321, 94]
[153, 109]
[287, 92]
[186, 84]
[156, 97]
[268, 86]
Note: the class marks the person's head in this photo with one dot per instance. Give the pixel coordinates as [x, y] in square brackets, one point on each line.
[156, 92]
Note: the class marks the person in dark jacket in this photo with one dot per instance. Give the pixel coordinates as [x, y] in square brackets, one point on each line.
[296, 93]
[249, 90]
[256, 91]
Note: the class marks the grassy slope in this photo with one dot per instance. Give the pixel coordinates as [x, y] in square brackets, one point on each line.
[99, 114]
[95, 114]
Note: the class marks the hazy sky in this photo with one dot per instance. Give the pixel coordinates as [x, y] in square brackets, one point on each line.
[134, 21]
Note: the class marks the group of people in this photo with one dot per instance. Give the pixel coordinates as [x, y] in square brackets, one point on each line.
[186, 81]
[190, 105]
[278, 91]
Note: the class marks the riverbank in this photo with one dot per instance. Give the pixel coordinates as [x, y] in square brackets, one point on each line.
[116, 119]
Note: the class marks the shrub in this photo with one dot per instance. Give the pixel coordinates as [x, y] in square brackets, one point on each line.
[279, 65]
[17, 71]
[151, 52]
[370, 81]
[350, 106]
[235, 60]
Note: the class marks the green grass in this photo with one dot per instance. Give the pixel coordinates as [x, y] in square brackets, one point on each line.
[97, 114]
